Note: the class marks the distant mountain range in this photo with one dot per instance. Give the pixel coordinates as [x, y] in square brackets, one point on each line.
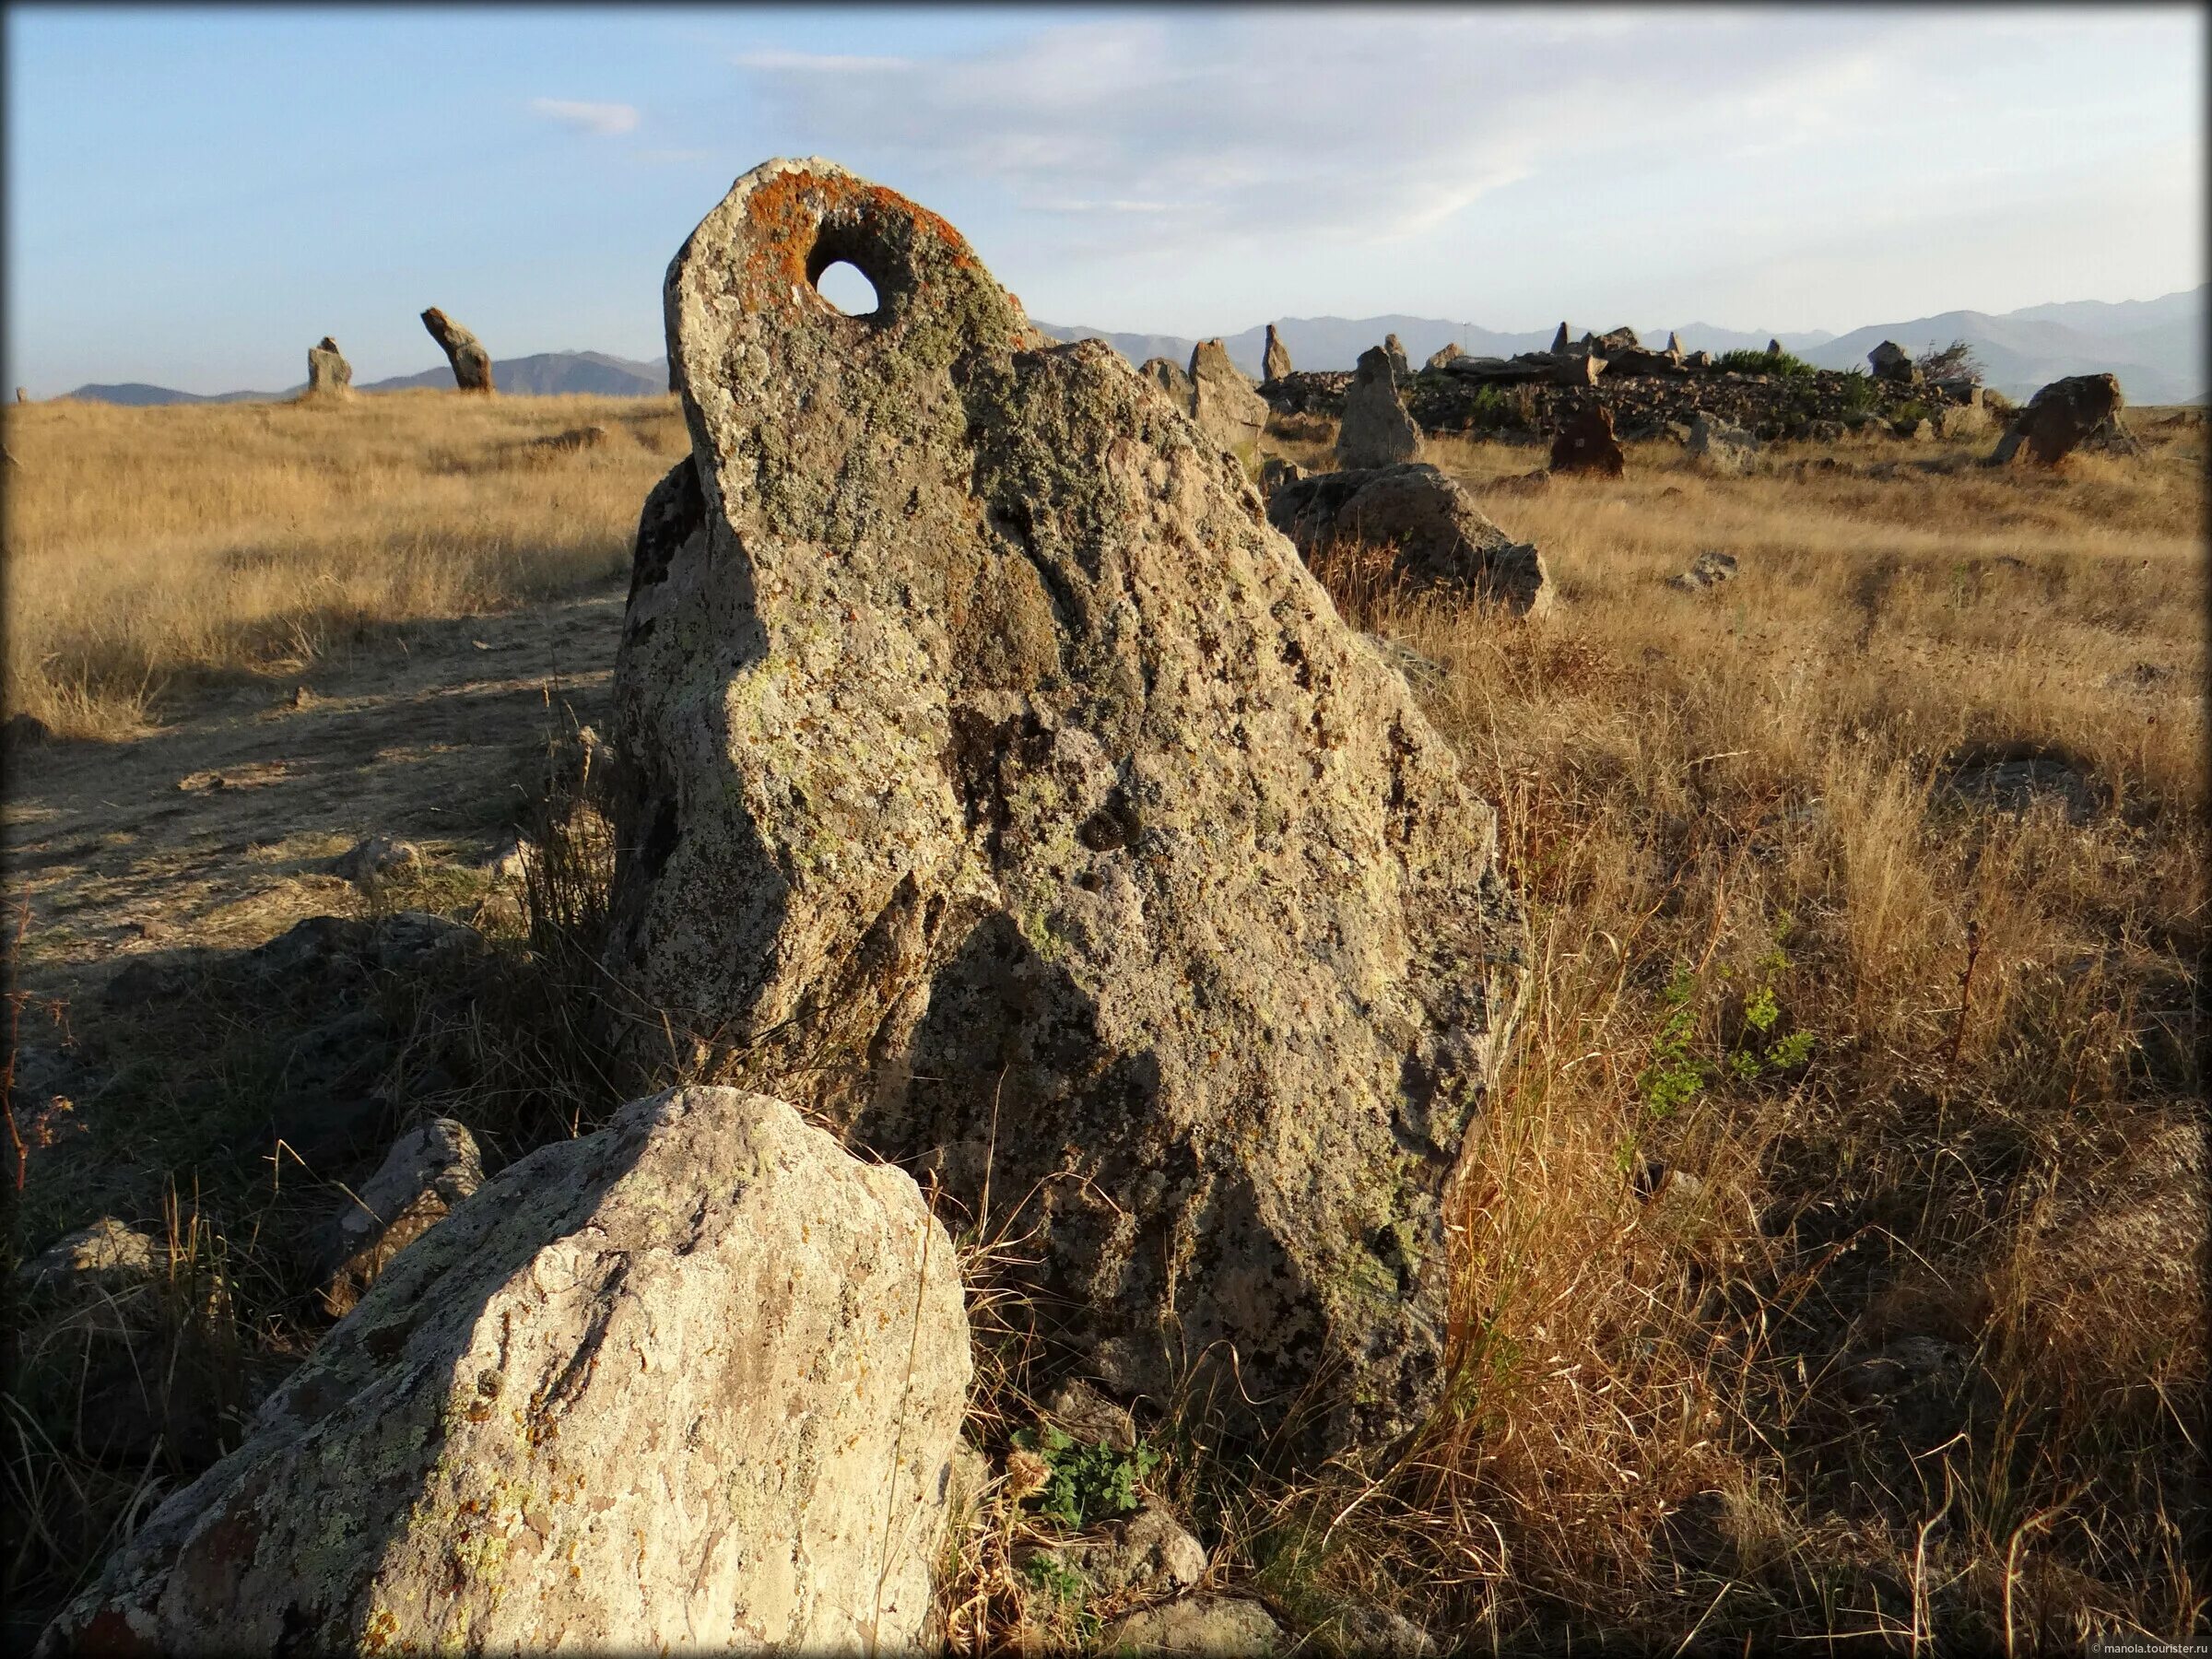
[2156, 346]
[548, 374]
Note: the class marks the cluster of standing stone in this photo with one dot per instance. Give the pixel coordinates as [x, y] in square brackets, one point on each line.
[330, 376]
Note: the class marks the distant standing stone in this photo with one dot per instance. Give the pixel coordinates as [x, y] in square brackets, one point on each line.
[21, 396]
[472, 363]
[1275, 361]
[1561, 341]
[1585, 444]
[1222, 401]
[1774, 347]
[1889, 362]
[328, 373]
[1674, 345]
[1395, 350]
[1377, 431]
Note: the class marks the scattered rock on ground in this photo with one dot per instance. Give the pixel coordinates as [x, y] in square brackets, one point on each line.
[1585, 444]
[328, 373]
[1373, 1632]
[472, 363]
[574, 439]
[107, 1257]
[1274, 363]
[377, 858]
[1720, 445]
[1377, 431]
[693, 1381]
[2058, 418]
[1034, 834]
[1710, 569]
[1221, 1626]
[428, 1170]
[1441, 538]
[2012, 777]
[1222, 401]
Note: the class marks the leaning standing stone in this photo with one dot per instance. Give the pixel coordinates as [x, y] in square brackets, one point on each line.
[472, 363]
[999, 786]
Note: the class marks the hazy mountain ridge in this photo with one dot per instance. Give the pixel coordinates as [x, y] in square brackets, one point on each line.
[2156, 346]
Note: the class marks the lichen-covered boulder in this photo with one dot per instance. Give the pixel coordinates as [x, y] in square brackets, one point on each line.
[693, 1382]
[2058, 418]
[996, 784]
[471, 362]
[1222, 401]
[1376, 429]
[1437, 536]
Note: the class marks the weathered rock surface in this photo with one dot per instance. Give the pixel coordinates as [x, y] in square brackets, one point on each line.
[1275, 361]
[1377, 431]
[1395, 349]
[1221, 1627]
[1147, 1554]
[1723, 446]
[375, 858]
[1441, 538]
[428, 1171]
[328, 373]
[2058, 418]
[1222, 401]
[1585, 444]
[1172, 379]
[692, 1381]
[992, 774]
[1889, 361]
[1710, 569]
[472, 363]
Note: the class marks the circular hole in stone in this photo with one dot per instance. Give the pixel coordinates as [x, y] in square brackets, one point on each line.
[844, 286]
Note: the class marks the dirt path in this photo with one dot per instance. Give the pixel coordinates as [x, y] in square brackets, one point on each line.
[220, 830]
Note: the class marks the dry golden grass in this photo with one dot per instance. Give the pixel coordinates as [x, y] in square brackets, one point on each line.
[1678, 1421]
[146, 547]
[1833, 1268]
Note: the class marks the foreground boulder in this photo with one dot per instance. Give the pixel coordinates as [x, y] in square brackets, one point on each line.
[1274, 363]
[1222, 401]
[1437, 536]
[328, 373]
[1376, 429]
[995, 784]
[692, 1381]
[1585, 444]
[472, 363]
[2058, 420]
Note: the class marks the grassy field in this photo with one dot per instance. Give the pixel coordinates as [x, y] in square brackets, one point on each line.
[1836, 1247]
[148, 548]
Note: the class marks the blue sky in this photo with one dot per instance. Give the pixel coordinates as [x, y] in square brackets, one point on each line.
[195, 196]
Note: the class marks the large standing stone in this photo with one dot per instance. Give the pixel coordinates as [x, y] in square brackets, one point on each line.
[328, 373]
[1438, 537]
[2058, 418]
[1169, 376]
[1376, 431]
[692, 1381]
[1889, 362]
[1585, 442]
[995, 783]
[1275, 361]
[472, 363]
[1222, 401]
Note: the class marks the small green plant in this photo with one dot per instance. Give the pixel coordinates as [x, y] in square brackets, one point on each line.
[1859, 397]
[1086, 1483]
[1676, 1074]
[1055, 1577]
[1913, 410]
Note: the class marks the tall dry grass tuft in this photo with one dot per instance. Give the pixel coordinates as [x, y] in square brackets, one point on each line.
[1833, 1256]
[148, 547]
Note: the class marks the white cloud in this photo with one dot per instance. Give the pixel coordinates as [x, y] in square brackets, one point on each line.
[600, 119]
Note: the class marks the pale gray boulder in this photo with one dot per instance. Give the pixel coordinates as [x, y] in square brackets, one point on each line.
[693, 1382]
[1376, 431]
[1719, 444]
[328, 373]
[997, 786]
